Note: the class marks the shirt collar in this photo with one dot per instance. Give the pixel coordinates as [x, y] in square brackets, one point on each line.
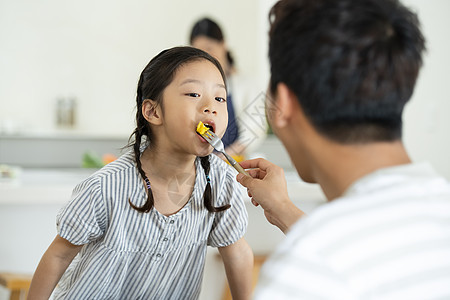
[391, 176]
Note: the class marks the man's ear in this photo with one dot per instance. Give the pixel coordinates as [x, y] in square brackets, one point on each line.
[152, 112]
[283, 105]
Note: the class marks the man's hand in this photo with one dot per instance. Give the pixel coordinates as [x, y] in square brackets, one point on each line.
[267, 187]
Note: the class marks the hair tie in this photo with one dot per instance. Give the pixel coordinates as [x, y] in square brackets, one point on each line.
[147, 182]
[208, 180]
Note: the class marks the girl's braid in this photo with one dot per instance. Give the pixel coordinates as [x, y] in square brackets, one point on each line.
[207, 195]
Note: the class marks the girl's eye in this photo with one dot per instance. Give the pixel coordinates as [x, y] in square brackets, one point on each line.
[220, 99]
[195, 95]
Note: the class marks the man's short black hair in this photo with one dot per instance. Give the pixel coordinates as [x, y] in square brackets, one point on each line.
[352, 64]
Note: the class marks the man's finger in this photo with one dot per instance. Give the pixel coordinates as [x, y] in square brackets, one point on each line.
[260, 163]
[244, 180]
[256, 173]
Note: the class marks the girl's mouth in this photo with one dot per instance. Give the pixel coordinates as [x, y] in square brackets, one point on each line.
[210, 127]
[201, 138]
[207, 125]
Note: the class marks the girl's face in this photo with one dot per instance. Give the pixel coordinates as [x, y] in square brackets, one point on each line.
[196, 93]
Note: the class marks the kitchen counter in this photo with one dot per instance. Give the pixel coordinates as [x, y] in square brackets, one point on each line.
[41, 186]
[54, 186]
[62, 150]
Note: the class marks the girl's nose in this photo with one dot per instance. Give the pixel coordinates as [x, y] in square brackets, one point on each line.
[209, 110]
[208, 107]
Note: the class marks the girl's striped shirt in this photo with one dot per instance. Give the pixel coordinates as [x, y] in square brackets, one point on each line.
[132, 255]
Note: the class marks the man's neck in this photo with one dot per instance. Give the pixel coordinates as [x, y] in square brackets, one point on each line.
[337, 166]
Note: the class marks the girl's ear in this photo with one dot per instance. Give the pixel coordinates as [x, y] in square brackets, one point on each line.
[152, 112]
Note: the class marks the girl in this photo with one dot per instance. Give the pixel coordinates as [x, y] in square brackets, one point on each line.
[141, 225]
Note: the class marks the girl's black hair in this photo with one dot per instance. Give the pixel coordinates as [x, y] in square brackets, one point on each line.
[155, 77]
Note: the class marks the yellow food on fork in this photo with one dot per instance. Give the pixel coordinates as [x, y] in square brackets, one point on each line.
[201, 128]
[217, 144]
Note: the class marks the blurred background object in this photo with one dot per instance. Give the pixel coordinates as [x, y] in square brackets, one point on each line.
[66, 113]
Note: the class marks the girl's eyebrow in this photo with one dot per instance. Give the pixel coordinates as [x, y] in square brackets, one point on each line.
[199, 82]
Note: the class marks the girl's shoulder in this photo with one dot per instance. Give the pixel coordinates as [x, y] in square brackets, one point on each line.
[123, 164]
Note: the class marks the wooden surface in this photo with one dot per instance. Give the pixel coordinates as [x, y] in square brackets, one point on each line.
[17, 284]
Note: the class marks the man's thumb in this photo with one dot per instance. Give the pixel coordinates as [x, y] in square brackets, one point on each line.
[243, 179]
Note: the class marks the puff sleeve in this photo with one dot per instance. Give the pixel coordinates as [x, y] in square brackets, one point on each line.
[83, 219]
[229, 225]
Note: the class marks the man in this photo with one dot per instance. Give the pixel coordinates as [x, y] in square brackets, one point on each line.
[342, 71]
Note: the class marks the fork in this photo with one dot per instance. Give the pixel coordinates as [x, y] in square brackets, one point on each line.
[217, 144]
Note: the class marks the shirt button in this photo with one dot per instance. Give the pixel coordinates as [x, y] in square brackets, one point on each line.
[158, 255]
[165, 239]
[172, 221]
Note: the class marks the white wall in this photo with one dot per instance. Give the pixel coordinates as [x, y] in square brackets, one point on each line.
[95, 51]
[427, 125]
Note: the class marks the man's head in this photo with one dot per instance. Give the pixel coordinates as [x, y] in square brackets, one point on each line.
[351, 64]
